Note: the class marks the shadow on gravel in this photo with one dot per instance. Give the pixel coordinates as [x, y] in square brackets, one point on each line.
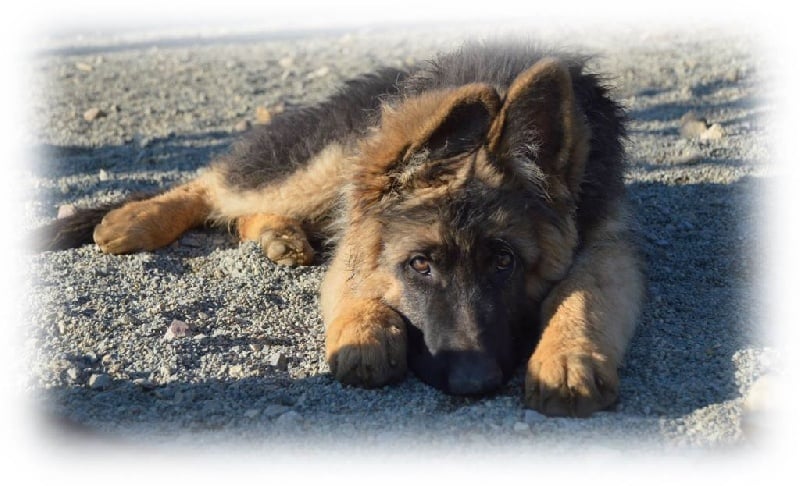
[698, 241]
[113, 172]
[173, 152]
[141, 165]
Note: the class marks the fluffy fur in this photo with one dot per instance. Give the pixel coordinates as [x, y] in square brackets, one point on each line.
[479, 215]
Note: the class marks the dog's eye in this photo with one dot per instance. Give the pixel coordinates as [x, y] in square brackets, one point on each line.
[503, 260]
[420, 264]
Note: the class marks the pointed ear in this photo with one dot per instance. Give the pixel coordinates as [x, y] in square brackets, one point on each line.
[458, 123]
[539, 130]
[417, 136]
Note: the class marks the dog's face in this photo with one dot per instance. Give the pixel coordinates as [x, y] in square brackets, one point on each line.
[459, 261]
[471, 199]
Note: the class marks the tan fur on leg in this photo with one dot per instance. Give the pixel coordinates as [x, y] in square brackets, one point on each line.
[282, 239]
[366, 344]
[365, 339]
[155, 222]
[589, 318]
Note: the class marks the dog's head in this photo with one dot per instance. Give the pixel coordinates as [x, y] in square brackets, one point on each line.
[472, 198]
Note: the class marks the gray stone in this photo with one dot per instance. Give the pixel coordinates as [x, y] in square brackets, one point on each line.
[177, 329]
[278, 360]
[521, 427]
[274, 410]
[532, 417]
[99, 381]
[290, 419]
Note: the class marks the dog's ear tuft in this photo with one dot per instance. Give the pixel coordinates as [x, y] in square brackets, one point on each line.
[459, 123]
[538, 131]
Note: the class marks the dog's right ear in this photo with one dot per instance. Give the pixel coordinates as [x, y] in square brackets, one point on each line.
[458, 123]
[420, 134]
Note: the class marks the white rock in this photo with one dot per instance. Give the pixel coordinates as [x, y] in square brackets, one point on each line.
[714, 132]
[66, 210]
[93, 113]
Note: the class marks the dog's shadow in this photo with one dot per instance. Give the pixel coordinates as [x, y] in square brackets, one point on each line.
[700, 243]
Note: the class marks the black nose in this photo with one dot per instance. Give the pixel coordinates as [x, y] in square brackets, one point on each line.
[473, 374]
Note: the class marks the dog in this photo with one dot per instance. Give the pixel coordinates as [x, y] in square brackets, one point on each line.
[478, 216]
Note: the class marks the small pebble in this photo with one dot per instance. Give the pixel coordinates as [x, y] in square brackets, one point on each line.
[289, 419]
[177, 329]
[714, 132]
[235, 371]
[521, 427]
[66, 210]
[99, 381]
[263, 115]
[693, 128]
[73, 374]
[532, 416]
[144, 384]
[286, 62]
[277, 360]
[274, 410]
[93, 113]
[319, 73]
[242, 126]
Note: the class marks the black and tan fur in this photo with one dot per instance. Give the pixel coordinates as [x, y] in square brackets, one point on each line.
[479, 215]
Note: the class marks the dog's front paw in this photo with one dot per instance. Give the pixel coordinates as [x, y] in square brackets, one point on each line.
[572, 383]
[366, 346]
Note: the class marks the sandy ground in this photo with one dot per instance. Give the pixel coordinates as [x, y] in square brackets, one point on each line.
[253, 374]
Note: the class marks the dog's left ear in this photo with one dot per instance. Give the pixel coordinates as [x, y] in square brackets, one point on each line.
[538, 133]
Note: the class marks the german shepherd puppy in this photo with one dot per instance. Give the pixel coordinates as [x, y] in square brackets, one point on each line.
[479, 218]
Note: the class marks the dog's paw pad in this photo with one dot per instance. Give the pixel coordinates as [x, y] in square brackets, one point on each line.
[573, 384]
[288, 248]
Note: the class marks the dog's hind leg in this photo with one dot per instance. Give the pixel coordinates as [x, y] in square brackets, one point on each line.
[155, 222]
[278, 214]
[282, 238]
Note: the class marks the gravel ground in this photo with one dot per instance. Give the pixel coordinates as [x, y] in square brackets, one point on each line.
[110, 117]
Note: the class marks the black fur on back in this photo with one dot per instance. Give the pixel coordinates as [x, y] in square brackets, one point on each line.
[270, 152]
[267, 154]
